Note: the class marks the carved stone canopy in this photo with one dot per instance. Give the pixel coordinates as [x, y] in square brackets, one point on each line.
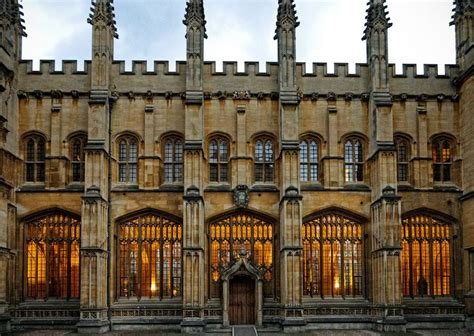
[242, 266]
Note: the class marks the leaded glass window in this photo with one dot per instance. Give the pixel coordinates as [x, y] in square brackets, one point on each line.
[128, 157]
[332, 256]
[78, 158]
[309, 159]
[218, 160]
[173, 163]
[426, 256]
[241, 234]
[35, 158]
[442, 151]
[150, 257]
[403, 155]
[264, 160]
[52, 257]
[354, 160]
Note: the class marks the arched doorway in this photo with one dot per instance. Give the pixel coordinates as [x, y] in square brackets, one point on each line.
[242, 300]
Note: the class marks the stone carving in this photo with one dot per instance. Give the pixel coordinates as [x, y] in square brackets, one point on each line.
[241, 196]
[221, 95]
[194, 16]
[207, 95]
[422, 98]
[115, 95]
[260, 95]
[38, 94]
[149, 95]
[22, 94]
[403, 97]
[168, 95]
[75, 94]
[331, 96]
[455, 97]
[103, 11]
[131, 95]
[348, 96]
[56, 94]
[274, 95]
[440, 97]
[376, 16]
[241, 95]
[314, 96]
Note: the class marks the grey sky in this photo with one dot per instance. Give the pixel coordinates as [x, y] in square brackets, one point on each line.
[242, 30]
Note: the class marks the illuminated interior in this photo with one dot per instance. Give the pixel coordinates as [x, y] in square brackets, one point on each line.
[150, 257]
[241, 234]
[332, 256]
[52, 245]
[426, 257]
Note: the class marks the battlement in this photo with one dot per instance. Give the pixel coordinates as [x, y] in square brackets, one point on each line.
[230, 68]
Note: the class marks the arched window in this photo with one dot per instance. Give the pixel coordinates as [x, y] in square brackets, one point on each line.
[264, 165]
[241, 233]
[309, 159]
[442, 150]
[173, 147]
[426, 256]
[34, 158]
[332, 256]
[403, 155]
[150, 257]
[354, 160]
[218, 160]
[78, 157]
[128, 155]
[52, 257]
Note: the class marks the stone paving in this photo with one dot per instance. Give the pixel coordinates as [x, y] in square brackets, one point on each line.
[437, 332]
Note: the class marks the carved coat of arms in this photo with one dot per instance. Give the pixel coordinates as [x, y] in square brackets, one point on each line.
[241, 196]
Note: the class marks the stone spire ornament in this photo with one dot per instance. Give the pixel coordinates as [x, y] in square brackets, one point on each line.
[376, 35]
[285, 33]
[194, 16]
[103, 11]
[195, 22]
[286, 16]
[11, 27]
[462, 19]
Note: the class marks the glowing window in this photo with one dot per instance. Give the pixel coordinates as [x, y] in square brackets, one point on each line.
[150, 257]
[246, 234]
[426, 256]
[442, 151]
[332, 256]
[52, 257]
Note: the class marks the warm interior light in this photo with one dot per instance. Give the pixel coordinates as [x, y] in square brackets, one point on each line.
[153, 287]
[336, 284]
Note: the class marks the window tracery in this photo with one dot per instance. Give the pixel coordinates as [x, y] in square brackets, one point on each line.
[332, 256]
[173, 163]
[264, 160]
[128, 157]
[353, 160]
[309, 160]
[35, 158]
[426, 256]
[150, 257]
[442, 151]
[403, 155]
[218, 159]
[77, 155]
[52, 257]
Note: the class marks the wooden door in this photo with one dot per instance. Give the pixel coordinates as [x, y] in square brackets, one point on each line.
[242, 300]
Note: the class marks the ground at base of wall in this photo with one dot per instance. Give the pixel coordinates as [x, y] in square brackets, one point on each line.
[437, 332]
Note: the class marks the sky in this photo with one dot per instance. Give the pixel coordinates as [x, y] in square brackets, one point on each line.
[241, 30]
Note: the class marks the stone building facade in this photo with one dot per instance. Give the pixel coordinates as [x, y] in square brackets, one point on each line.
[194, 199]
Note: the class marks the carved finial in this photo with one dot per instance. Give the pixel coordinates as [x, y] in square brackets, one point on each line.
[377, 14]
[286, 15]
[10, 12]
[194, 15]
[461, 8]
[103, 11]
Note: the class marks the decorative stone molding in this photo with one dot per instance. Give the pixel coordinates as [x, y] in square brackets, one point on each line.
[314, 96]
[348, 96]
[403, 97]
[149, 95]
[331, 96]
[241, 95]
[168, 95]
[22, 94]
[260, 95]
[365, 96]
[75, 94]
[56, 94]
[38, 94]
[131, 95]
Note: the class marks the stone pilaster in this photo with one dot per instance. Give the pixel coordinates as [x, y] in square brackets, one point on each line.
[464, 26]
[95, 240]
[193, 219]
[290, 202]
